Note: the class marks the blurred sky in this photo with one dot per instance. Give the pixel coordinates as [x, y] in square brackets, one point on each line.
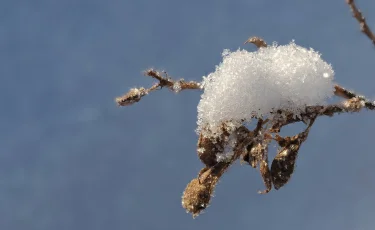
[70, 159]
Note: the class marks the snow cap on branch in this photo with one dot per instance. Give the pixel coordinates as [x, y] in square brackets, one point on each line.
[254, 84]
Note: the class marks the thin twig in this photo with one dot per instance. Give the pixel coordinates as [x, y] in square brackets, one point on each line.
[354, 103]
[342, 92]
[362, 21]
[135, 94]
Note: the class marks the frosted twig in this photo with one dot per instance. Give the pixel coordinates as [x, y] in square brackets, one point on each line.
[354, 103]
[361, 19]
[135, 94]
[342, 92]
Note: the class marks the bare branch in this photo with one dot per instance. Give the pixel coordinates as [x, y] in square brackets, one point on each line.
[135, 94]
[362, 21]
[342, 92]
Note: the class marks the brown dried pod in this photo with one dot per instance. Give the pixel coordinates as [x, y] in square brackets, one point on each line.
[198, 192]
[257, 153]
[196, 197]
[133, 96]
[266, 176]
[283, 165]
[262, 149]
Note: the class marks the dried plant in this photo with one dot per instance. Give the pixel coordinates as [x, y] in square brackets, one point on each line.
[251, 146]
[362, 21]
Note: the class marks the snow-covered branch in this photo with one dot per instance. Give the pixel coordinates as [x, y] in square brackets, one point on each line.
[274, 86]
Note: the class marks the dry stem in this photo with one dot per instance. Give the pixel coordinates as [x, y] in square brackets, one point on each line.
[135, 94]
[361, 19]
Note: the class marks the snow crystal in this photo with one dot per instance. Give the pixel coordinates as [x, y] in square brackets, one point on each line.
[177, 87]
[228, 152]
[253, 84]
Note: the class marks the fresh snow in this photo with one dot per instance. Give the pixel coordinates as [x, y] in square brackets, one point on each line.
[253, 84]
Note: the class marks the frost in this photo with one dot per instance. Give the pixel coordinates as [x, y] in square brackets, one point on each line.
[253, 84]
[177, 87]
[201, 150]
[228, 152]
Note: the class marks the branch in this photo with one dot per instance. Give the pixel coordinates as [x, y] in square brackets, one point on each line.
[362, 21]
[135, 94]
[354, 103]
[342, 92]
[251, 146]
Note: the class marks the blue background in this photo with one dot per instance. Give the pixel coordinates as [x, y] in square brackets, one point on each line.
[70, 159]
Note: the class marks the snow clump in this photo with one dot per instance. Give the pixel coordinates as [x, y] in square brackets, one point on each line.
[253, 84]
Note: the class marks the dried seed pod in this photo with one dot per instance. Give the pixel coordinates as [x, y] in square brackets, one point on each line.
[196, 197]
[198, 192]
[133, 96]
[264, 169]
[283, 165]
[266, 176]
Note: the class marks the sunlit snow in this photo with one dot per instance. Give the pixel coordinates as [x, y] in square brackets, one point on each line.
[248, 84]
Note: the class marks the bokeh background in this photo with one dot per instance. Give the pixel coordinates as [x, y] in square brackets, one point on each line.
[71, 159]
